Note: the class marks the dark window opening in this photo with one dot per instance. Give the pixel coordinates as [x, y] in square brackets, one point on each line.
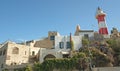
[68, 45]
[33, 52]
[65, 55]
[15, 50]
[1, 65]
[4, 52]
[52, 37]
[0, 53]
[61, 45]
[86, 36]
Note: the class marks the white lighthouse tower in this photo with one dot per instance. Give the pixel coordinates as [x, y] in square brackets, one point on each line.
[100, 16]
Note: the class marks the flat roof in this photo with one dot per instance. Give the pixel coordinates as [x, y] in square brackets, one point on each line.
[86, 31]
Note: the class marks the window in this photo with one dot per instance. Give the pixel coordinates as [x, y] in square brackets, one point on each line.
[61, 45]
[15, 50]
[68, 45]
[86, 35]
[0, 53]
[33, 52]
[25, 52]
[52, 37]
[4, 52]
[1, 65]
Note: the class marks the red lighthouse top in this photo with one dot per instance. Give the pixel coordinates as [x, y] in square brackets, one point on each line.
[99, 13]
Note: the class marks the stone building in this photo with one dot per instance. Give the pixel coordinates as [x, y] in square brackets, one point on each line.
[13, 55]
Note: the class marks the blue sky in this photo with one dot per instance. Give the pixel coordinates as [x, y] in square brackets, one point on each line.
[32, 19]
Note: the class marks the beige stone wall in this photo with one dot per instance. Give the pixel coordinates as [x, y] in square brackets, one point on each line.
[34, 49]
[64, 70]
[3, 55]
[12, 58]
[23, 55]
[107, 69]
[17, 59]
[99, 69]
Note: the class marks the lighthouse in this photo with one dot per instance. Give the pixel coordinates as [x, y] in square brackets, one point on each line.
[100, 16]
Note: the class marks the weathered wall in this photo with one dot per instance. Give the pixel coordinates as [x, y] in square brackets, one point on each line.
[12, 54]
[64, 70]
[21, 57]
[99, 69]
[107, 69]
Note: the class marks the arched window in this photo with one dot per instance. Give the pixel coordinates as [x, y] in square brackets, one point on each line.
[15, 50]
[49, 56]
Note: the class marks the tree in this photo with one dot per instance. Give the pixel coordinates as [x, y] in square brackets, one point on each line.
[72, 45]
[85, 42]
[99, 59]
[37, 67]
[5, 70]
[115, 45]
[112, 42]
[28, 68]
[79, 55]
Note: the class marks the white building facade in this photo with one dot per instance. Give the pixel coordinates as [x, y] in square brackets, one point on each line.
[84, 33]
[62, 47]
